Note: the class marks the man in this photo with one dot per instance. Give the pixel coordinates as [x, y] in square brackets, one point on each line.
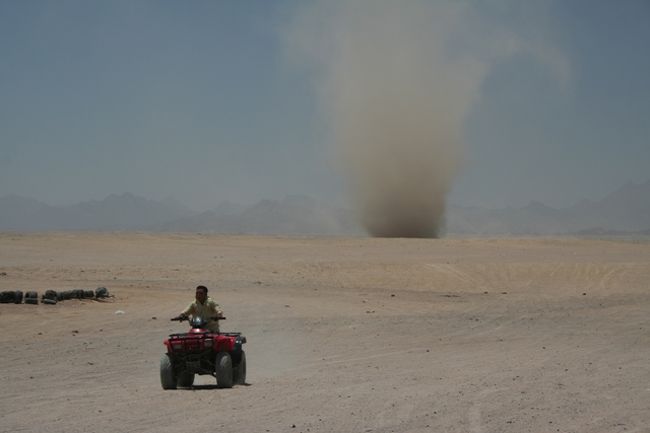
[204, 307]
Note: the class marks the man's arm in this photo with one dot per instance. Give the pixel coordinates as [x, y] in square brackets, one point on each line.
[216, 309]
[187, 311]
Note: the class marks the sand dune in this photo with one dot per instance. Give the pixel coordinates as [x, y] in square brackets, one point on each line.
[345, 334]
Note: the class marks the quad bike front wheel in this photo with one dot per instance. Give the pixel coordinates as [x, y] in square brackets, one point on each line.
[223, 371]
[239, 372]
[167, 379]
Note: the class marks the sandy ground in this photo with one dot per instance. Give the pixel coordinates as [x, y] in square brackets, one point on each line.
[344, 334]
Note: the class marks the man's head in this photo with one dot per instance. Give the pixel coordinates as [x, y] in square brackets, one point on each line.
[201, 294]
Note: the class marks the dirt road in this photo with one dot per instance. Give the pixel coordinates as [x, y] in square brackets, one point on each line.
[344, 334]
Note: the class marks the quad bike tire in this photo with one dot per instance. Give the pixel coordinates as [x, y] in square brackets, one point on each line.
[18, 297]
[239, 372]
[185, 379]
[223, 365]
[167, 379]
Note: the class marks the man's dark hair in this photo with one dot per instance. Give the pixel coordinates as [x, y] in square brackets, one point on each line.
[205, 289]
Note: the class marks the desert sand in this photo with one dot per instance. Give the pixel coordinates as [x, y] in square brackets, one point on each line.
[344, 334]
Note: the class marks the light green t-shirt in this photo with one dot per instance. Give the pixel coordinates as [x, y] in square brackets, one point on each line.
[206, 310]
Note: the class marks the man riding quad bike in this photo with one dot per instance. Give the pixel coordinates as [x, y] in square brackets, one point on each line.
[201, 351]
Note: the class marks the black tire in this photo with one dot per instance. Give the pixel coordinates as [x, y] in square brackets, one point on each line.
[31, 294]
[18, 297]
[185, 379]
[88, 294]
[32, 301]
[239, 372]
[223, 365]
[50, 294]
[7, 297]
[167, 379]
[101, 292]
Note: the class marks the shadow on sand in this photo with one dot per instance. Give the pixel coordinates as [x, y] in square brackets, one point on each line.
[208, 387]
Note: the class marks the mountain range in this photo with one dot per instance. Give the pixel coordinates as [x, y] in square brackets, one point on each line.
[625, 211]
[115, 212]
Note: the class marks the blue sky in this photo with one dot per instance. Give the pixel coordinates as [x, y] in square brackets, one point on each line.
[204, 101]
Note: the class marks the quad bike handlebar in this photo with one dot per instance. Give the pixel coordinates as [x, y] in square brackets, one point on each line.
[183, 318]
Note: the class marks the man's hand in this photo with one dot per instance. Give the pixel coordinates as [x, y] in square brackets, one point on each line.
[179, 318]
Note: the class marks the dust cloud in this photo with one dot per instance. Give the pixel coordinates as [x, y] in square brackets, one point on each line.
[395, 92]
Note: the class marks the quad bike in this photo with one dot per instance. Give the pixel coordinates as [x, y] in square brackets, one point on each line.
[200, 351]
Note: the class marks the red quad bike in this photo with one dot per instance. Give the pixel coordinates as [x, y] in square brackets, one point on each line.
[200, 351]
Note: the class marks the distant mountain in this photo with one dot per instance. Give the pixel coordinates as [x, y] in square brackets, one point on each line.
[115, 212]
[625, 211]
[228, 208]
[21, 213]
[292, 215]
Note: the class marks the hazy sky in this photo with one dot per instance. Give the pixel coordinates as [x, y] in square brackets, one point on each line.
[208, 100]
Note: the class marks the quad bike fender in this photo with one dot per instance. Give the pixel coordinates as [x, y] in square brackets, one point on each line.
[224, 344]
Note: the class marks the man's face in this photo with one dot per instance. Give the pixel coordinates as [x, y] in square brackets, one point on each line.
[201, 295]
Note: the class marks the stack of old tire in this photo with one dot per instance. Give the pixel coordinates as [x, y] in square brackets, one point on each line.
[51, 297]
[99, 293]
[11, 297]
[31, 297]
